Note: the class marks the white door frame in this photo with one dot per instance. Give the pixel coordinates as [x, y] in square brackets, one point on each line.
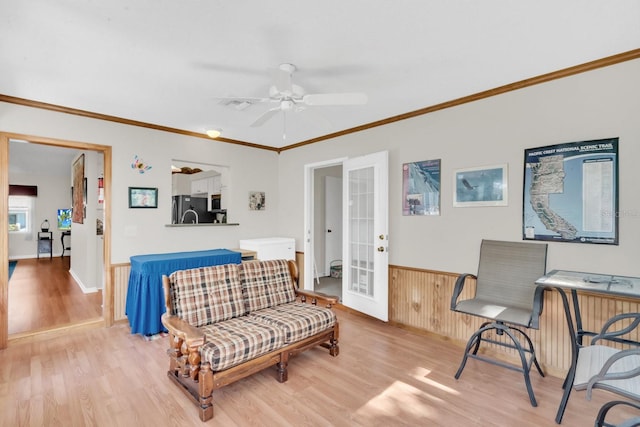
[332, 222]
[309, 169]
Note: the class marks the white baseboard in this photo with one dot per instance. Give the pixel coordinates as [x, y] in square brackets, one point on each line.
[85, 290]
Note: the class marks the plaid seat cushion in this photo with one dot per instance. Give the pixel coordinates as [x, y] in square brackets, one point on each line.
[234, 341]
[202, 296]
[266, 284]
[297, 320]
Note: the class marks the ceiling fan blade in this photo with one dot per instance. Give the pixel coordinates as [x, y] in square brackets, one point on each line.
[262, 119]
[348, 98]
[249, 99]
[240, 103]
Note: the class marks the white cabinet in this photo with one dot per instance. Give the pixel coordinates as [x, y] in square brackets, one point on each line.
[200, 186]
[216, 185]
[180, 184]
[271, 247]
[206, 183]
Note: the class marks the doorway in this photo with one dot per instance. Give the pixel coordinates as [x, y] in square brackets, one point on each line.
[314, 202]
[364, 255]
[106, 318]
[327, 213]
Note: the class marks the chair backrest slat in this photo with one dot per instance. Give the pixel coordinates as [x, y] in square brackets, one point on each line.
[508, 270]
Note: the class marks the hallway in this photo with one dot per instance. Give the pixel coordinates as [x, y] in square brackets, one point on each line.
[44, 295]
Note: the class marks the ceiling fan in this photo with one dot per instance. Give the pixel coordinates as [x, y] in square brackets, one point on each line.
[290, 97]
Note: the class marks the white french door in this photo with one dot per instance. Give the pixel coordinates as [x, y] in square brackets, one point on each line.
[365, 235]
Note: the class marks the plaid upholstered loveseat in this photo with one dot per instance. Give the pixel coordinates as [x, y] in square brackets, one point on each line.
[229, 321]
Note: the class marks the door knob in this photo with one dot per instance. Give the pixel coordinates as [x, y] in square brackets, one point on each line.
[380, 249]
[328, 231]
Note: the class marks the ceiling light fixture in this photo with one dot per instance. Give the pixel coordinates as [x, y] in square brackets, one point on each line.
[213, 133]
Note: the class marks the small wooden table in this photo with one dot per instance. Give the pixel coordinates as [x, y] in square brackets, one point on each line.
[246, 254]
[66, 247]
[45, 243]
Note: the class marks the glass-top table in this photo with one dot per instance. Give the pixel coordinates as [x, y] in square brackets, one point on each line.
[575, 281]
[593, 282]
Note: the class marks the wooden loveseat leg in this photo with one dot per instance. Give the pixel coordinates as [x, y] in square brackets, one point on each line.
[174, 352]
[283, 374]
[205, 391]
[334, 350]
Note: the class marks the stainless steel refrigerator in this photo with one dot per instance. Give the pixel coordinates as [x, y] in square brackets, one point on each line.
[190, 210]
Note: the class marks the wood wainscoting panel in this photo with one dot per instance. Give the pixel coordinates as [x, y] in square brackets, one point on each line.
[120, 274]
[421, 299]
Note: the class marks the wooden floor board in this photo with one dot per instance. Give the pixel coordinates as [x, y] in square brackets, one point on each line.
[43, 295]
[384, 376]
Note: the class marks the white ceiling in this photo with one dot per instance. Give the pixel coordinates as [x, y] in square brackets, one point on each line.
[165, 62]
[39, 159]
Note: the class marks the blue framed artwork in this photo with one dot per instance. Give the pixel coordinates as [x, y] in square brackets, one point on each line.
[481, 186]
[421, 188]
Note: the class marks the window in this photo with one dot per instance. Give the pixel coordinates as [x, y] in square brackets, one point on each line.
[20, 214]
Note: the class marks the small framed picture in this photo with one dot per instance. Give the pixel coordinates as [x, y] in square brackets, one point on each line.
[143, 197]
[482, 186]
[257, 201]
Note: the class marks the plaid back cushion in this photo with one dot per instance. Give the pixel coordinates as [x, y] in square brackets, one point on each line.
[206, 295]
[266, 284]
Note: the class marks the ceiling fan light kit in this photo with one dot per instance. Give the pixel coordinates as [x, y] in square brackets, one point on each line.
[213, 133]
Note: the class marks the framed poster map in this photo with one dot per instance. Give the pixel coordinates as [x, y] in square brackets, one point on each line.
[421, 188]
[570, 192]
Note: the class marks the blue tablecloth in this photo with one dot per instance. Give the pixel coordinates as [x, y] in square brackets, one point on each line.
[145, 296]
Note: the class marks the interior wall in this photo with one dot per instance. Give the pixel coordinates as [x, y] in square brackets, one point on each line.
[53, 193]
[84, 251]
[144, 231]
[598, 104]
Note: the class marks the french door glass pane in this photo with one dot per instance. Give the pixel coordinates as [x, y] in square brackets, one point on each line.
[361, 238]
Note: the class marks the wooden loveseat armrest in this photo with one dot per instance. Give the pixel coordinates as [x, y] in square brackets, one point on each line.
[185, 342]
[192, 336]
[316, 297]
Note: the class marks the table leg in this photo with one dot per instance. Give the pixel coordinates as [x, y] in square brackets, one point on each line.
[567, 385]
[576, 309]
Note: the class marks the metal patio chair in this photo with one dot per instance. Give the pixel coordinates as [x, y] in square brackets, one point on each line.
[507, 296]
[614, 367]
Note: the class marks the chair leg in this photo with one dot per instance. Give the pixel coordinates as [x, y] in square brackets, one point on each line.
[474, 341]
[531, 350]
[525, 366]
[500, 329]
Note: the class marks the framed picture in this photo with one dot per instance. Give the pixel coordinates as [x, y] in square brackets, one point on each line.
[570, 192]
[421, 188]
[84, 198]
[481, 186]
[143, 197]
[78, 191]
[257, 201]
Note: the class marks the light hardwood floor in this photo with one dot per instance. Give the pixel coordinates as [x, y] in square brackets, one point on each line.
[384, 376]
[43, 295]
